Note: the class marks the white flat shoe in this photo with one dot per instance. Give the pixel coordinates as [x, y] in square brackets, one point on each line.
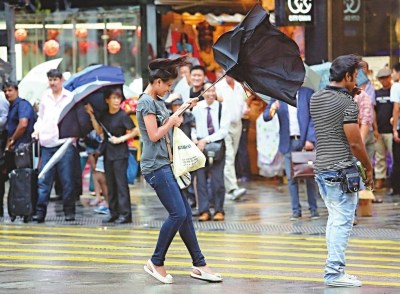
[206, 276]
[152, 271]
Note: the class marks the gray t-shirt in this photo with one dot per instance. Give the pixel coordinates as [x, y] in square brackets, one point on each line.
[154, 154]
[330, 109]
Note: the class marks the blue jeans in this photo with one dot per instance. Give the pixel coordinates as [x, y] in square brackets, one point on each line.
[341, 207]
[179, 219]
[293, 185]
[66, 173]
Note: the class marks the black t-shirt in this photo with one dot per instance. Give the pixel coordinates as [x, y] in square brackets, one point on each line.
[196, 94]
[383, 108]
[117, 124]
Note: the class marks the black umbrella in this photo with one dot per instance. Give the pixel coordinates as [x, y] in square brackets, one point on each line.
[257, 54]
[74, 121]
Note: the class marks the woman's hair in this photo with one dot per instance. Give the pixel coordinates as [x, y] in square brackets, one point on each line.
[184, 37]
[165, 69]
[113, 90]
[342, 65]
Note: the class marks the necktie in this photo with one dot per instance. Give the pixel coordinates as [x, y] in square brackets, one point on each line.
[210, 125]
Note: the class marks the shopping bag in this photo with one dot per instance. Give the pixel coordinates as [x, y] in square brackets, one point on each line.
[186, 156]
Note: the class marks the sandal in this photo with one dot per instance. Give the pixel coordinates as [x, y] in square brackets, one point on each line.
[214, 278]
[152, 271]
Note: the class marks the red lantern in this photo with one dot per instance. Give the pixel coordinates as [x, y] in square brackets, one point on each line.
[81, 33]
[52, 34]
[84, 46]
[51, 48]
[113, 47]
[20, 35]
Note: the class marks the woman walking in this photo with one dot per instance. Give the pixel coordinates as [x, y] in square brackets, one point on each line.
[152, 117]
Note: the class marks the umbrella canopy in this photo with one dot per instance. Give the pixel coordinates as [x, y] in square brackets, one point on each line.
[102, 73]
[257, 54]
[323, 71]
[312, 79]
[74, 121]
[5, 67]
[35, 83]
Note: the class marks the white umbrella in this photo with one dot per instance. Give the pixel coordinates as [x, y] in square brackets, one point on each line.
[33, 85]
[56, 157]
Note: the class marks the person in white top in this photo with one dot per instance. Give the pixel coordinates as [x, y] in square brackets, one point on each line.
[233, 97]
[46, 131]
[212, 123]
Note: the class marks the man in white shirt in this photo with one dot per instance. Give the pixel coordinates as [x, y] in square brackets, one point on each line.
[233, 98]
[46, 131]
[212, 123]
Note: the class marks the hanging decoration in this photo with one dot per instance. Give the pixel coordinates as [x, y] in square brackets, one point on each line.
[81, 33]
[85, 46]
[51, 48]
[52, 34]
[113, 47]
[20, 35]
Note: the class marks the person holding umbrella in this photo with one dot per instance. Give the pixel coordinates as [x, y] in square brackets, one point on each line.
[154, 124]
[113, 126]
[46, 131]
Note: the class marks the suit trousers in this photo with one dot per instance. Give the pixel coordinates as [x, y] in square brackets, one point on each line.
[215, 174]
[383, 145]
[119, 200]
[231, 143]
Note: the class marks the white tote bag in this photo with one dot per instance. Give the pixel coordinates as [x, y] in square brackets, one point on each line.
[187, 156]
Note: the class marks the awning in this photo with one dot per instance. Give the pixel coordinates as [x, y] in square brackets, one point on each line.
[216, 7]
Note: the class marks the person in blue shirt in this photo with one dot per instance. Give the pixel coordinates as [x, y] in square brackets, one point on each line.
[21, 117]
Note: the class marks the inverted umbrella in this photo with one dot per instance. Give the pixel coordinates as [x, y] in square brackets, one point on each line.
[257, 54]
[74, 121]
[35, 83]
[323, 71]
[102, 73]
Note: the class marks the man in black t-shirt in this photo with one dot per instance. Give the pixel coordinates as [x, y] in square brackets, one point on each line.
[197, 79]
[382, 126]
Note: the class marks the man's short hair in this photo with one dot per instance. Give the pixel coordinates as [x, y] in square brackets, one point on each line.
[342, 65]
[54, 73]
[396, 67]
[10, 84]
[200, 67]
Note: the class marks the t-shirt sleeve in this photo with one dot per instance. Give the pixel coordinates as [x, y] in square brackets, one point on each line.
[395, 93]
[146, 106]
[24, 110]
[351, 114]
[127, 121]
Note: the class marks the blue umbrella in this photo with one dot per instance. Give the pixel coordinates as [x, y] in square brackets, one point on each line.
[74, 121]
[323, 71]
[102, 73]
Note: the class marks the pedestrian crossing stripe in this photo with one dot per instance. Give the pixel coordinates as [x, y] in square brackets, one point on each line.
[240, 255]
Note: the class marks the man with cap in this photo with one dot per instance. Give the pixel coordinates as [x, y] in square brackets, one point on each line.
[382, 126]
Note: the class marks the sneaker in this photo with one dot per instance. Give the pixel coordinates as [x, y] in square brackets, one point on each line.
[295, 216]
[238, 193]
[102, 210]
[345, 280]
[314, 215]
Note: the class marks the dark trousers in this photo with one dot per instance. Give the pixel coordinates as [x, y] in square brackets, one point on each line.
[395, 178]
[242, 161]
[119, 201]
[216, 174]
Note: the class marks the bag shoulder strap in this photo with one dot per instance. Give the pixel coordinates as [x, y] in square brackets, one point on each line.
[219, 113]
